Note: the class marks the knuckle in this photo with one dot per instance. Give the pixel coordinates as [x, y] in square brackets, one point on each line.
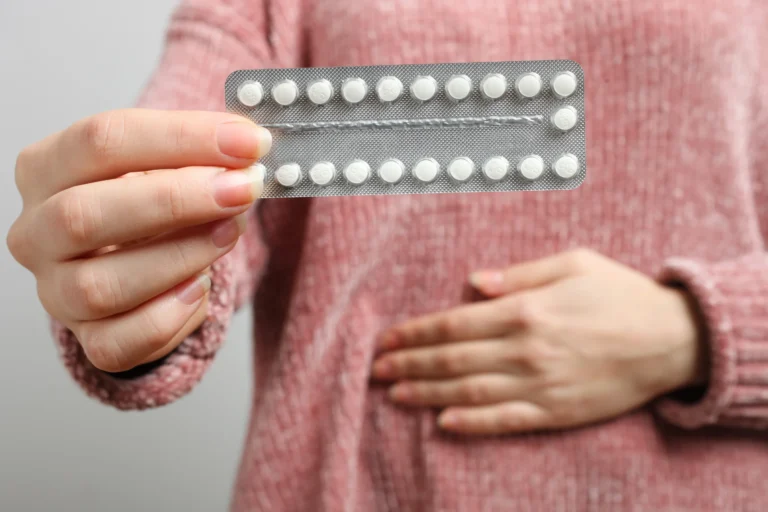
[581, 259]
[506, 419]
[421, 393]
[93, 131]
[183, 255]
[17, 241]
[570, 414]
[546, 362]
[510, 419]
[458, 361]
[24, 157]
[529, 357]
[550, 381]
[396, 364]
[483, 393]
[94, 291]
[527, 314]
[474, 393]
[76, 215]
[23, 165]
[102, 354]
[103, 134]
[171, 200]
[446, 362]
[157, 333]
[179, 133]
[407, 364]
[445, 326]
[509, 358]
[465, 392]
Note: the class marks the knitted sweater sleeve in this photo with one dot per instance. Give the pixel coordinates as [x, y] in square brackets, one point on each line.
[205, 42]
[733, 302]
[732, 297]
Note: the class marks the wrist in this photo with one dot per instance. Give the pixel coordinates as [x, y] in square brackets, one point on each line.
[689, 358]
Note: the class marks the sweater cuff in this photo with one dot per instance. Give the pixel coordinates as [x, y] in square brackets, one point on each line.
[733, 300]
[176, 374]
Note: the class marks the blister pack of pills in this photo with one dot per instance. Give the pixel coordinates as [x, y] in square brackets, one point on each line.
[417, 128]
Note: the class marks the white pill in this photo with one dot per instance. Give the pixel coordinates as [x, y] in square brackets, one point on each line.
[426, 170]
[458, 87]
[423, 88]
[250, 93]
[566, 166]
[285, 92]
[564, 84]
[391, 171]
[461, 169]
[565, 119]
[531, 167]
[322, 173]
[493, 86]
[357, 172]
[496, 168]
[389, 88]
[320, 91]
[528, 86]
[288, 175]
[353, 90]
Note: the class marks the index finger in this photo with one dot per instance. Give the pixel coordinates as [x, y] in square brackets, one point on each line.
[483, 320]
[114, 143]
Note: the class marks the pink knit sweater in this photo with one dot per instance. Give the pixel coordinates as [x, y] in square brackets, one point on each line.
[678, 188]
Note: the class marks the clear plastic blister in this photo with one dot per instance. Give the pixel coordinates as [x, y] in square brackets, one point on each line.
[417, 128]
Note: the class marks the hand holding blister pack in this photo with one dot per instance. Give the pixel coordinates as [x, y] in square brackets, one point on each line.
[417, 129]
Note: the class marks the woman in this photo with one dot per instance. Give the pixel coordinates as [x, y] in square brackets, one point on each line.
[630, 375]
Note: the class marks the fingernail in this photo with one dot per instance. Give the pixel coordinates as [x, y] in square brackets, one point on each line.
[382, 369]
[241, 139]
[256, 172]
[228, 231]
[486, 279]
[190, 293]
[447, 420]
[242, 221]
[237, 188]
[400, 392]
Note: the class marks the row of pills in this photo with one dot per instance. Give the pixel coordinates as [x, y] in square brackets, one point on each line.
[426, 170]
[423, 88]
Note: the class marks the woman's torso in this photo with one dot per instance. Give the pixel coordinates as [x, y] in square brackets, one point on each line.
[676, 128]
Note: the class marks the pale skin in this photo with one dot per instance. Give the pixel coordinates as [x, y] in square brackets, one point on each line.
[562, 342]
[123, 213]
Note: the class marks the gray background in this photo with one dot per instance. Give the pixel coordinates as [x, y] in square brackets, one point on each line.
[59, 450]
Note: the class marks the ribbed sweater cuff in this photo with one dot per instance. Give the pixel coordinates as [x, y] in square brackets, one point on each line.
[178, 373]
[733, 300]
